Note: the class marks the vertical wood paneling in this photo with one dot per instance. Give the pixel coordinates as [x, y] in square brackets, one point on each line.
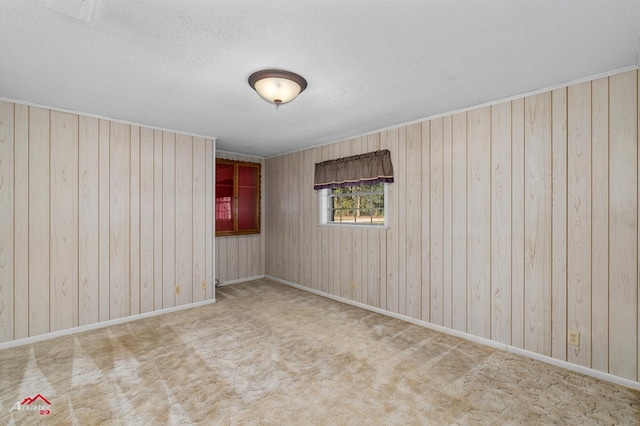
[134, 221]
[579, 217]
[447, 243]
[88, 259]
[199, 232]
[268, 173]
[232, 252]
[184, 218]
[89, 193]
[459, 221]
[244, 257]
[623, 225]
[277, 245]
[600, 224]
[517, 222]
[261, 244]
[6, 221]
[382, 263]
[479, 222]
[217, 260]
[346, 240]
[210, 241]
[307, 226]
[119, 220]
[103, 221]
[359, 289]
[389, 140]
[146, 219]
[559, 225]
[501, 223]
[325, 259]
[39, 196]
[401, 178]
[538, 224]
[158, 212]
[335, 252]
[371, 264]
[294, 217]
[168, 219]
[21, 221]
[257, 252]
[281, 219]
[268, 253]
[284, 260]
[220, 256]
[436, 215]
[364, 286]
[425, 196]
[414, 222]
[356, 249]
[285, 245]
[253, 257]
[523, 208]
[372, 241]
[315, 236]
[63, 220]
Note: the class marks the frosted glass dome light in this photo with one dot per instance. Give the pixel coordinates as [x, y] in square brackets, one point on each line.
[277, 86]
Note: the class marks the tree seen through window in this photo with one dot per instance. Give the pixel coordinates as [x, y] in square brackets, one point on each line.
[362, 204]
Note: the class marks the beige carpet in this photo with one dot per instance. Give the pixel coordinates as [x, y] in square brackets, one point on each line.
[269, 354]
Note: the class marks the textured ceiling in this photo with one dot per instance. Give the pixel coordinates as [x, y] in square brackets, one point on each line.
[183, 65]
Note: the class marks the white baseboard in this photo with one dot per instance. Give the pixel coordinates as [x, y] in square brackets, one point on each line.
[241, 280]
[546, 359]
[97, 325]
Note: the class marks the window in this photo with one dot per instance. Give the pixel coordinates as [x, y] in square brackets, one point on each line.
[353, 190]
[354, 205]
[237, 197]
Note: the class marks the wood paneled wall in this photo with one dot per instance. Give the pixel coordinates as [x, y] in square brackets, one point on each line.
[515, 222]
[99, 220]
[242, 256]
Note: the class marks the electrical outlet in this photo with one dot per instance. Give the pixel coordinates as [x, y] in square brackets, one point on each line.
[574, 338]
[353, 286]
[204, 285]
[178, 289]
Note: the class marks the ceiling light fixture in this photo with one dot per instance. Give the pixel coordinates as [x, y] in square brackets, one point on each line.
[277, 86]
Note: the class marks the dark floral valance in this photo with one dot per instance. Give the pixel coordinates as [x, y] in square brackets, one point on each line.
[372, 167]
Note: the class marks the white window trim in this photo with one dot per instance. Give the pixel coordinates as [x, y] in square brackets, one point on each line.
[324, 212]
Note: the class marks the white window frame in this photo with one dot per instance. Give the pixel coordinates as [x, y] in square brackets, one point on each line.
[324, 211]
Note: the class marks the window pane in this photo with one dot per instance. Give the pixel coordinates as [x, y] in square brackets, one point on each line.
[224, 197]
[362, 204]
[247, 198]
[237, 197]
[247, 208]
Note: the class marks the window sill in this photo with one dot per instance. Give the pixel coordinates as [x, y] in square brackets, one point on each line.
[350, 226]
